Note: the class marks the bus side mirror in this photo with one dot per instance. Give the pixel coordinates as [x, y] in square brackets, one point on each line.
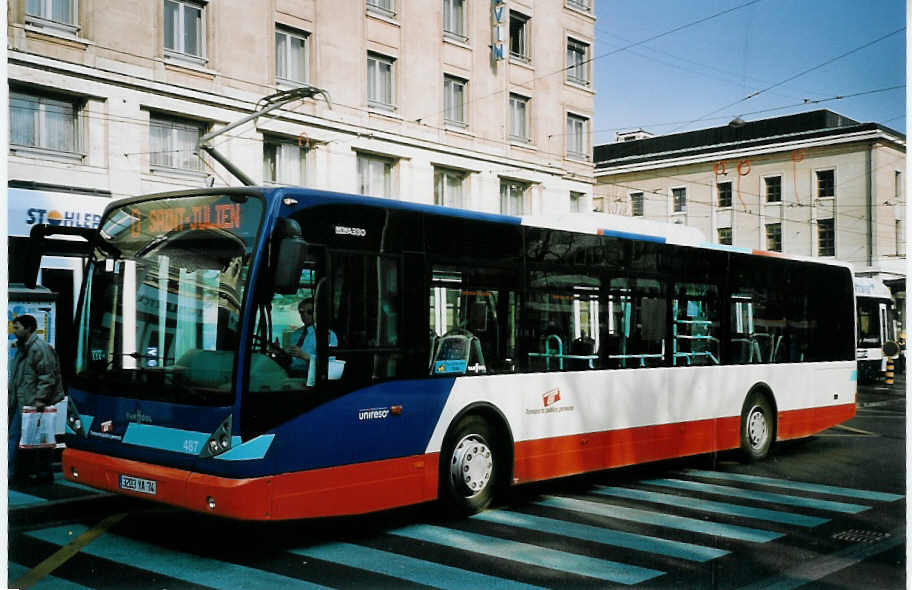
[890, 348]
[293, 252]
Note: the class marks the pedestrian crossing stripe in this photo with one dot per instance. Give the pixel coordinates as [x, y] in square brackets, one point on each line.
[796, 485]
[535, 555]
[17, 571]
[702, 505]
[784, 499]
[407, 568]
[15, 498]
[204, 571]
[686, 551]
[693, 525]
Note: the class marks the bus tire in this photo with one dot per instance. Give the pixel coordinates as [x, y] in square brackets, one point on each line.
[758, 427]
[469, 466]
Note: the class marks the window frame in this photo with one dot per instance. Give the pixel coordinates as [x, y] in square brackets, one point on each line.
[637, 204]
[580, 67]
[387, 80]
[75, 151]
[678, 206]
[519, 99]
[579, 136]
[180, 52]
[364, 161]
[766, 188]
[441, 187]
[719, 237]
[290, 34]
[773, 236]
[577, 199]
[719, 202]
[279, 144]
[818, 183]
[580, 5]
[175, 125]
[507, 197]
[524, 49]
[450, 9]
[828, 248]
[450, 82]
[50, 22]
[384, 8]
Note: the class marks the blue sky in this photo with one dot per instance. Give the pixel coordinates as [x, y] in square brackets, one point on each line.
[682, 80]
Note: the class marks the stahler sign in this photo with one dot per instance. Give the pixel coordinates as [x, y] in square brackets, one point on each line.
[498, 9]
[29, 207]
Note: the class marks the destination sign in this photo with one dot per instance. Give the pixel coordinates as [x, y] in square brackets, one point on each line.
[164, 220]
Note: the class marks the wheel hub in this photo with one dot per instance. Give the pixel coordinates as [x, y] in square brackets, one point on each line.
[472, 465]
[757, 428]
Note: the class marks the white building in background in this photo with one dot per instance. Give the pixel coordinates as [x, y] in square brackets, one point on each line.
[811, 184]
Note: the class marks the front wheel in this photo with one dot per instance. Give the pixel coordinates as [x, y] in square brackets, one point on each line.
[758, 427]
[468, 468]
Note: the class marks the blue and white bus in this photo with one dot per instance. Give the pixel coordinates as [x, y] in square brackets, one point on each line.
[455, 353]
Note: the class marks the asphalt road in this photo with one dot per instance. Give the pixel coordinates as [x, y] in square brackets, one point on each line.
[825, 512]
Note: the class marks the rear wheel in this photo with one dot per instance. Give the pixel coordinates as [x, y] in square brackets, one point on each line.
[468, 468]
[758, 427]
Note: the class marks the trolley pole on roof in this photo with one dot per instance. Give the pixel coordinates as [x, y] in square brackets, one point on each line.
[272, 102]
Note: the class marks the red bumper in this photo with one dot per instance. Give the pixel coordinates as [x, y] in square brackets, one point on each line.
[349, 489]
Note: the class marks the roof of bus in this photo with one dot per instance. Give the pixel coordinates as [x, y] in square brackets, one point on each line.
[589, 223]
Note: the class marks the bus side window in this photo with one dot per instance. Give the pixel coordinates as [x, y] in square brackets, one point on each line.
[635, 322]
[695, 327]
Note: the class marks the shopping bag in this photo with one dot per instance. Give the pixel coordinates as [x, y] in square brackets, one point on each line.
[38, 428]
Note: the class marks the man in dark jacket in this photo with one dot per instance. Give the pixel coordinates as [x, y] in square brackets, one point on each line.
[34, 381]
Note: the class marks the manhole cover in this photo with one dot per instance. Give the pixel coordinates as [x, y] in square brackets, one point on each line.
[860, 536]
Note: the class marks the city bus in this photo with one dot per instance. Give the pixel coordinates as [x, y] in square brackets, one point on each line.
[453, 353]
[876, 328]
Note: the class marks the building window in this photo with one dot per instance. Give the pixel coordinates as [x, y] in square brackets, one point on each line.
[725, 236]
[173, 142]
[184, 31]
[43, 122]
[449, 187]
[375, 176]
[900, 238]
[577, 62]
[380, 81]
[724, 189]
[382, 7]
[519, 117]
[826, 183]
[577, 137]
[519, 36]
[679, 200]
[291, 56]
[773, 189]
[284, 162]
[576, 202]
[826, 238]
[897, 186]
[512, 197]
[53, 14]
[774, 237]
[583, 5]
[454, 19]
[636, 204]
[454, 101]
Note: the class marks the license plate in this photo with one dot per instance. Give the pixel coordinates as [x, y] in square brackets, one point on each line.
[137, 484]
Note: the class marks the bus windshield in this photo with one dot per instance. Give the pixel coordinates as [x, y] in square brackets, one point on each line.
[163, 295]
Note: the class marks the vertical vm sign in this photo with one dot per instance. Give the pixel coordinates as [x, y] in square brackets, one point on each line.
[498, 8]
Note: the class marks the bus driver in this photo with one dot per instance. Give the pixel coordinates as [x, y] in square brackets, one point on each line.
[304, 341]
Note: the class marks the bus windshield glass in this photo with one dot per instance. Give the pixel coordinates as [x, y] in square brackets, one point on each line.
[163, 295]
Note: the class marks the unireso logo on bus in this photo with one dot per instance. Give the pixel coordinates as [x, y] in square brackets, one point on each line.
[373, 414]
